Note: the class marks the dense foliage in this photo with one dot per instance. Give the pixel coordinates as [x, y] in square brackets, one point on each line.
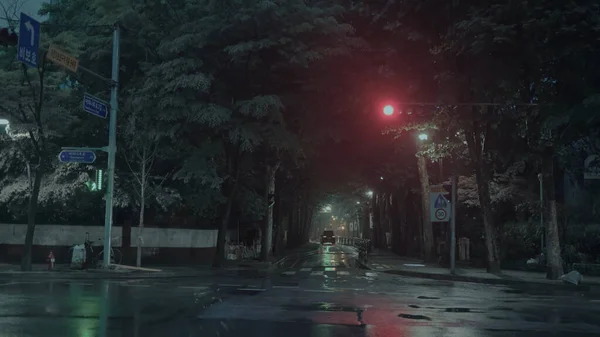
[218, 97]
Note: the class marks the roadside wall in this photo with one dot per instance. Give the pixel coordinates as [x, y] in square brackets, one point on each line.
[161, 245]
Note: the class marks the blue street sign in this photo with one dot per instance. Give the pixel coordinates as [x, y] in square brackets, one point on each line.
[440, 202]
[77, 156]
[95, 106]
[29, 41]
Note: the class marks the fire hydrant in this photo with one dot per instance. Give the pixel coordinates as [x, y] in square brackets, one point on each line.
[51, 261]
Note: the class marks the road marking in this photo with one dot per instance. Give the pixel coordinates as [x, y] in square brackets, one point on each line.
[329, 268]
[346, 264]
[371, 274]
[251, 289]
[290, 272]
[229, 285]
[347, 289]
[320, 273]
[343, 273]
[595, 301]
[193, 288]
[305, 269]
[81, 284]
[136, 285]
[317, 291]
[12, 283]
[286, 287]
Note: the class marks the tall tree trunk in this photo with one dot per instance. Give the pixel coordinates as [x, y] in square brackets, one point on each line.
[491, 240]
[425, 210]
[31, 213]
[267, 238]
[477, 143]
[140, 240]
[233, 183]
[554, 267]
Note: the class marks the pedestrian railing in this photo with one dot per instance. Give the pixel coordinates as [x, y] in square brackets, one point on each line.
[363, 246]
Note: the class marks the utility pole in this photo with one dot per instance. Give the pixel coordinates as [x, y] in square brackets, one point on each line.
[542, 227]
[112, 145]
[454, 199]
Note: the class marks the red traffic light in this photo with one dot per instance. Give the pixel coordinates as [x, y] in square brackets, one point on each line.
[8, 39]
[388, 110]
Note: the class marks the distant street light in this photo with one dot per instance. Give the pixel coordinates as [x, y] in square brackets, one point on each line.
[358, 202]
[369, 193]
[423, 136]
[388, 110]
[380, 178]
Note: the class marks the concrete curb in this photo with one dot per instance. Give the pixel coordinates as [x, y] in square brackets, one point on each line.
[506, 282]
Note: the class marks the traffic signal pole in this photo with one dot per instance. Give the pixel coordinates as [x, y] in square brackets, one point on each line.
[112, 146]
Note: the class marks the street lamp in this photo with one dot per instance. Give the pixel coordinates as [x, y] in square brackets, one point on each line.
[388, 110]
[369, 193]
[358, 202]
[423, 136]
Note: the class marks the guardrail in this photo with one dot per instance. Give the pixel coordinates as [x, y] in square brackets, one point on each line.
[363, 245]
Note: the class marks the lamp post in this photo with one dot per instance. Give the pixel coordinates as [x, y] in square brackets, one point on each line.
[424, 179]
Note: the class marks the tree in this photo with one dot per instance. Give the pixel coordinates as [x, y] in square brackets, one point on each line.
[31, 98]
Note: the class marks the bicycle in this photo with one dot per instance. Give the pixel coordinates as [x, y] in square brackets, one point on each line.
[96, 260]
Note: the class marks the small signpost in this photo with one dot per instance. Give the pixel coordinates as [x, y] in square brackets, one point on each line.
[77, 156]
[63, 59]
[440, 206]
[29, 41]
[95, 106]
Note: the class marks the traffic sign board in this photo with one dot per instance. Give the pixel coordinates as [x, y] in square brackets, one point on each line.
[440, 206]
[29, 41]
[440, 214]
[63, 59]
[77, 156]
[95, 106]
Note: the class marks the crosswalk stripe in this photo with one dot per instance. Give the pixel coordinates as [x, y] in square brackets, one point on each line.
[306, 269]
[291, 272]
[317, 273]
[343, 273]
[371, 274]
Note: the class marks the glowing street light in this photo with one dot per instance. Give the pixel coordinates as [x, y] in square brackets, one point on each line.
[423, 136]
[388, 110]
[358, 202]
[369, 193]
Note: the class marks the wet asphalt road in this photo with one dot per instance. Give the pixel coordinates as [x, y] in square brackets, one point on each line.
[320, 295]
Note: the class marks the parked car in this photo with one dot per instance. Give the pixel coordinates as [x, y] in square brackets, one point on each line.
[328, 238]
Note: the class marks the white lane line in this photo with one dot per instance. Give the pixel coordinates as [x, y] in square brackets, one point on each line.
[229, 285]
[595, 301]
[136, 285]
[317, 291]
[305, 269]
[343, 273]
[316, 273]
[371, 274]
[347, 289]
[286, 287]
[329, 268]
[81, 284]
[290, 272]
[13, 283]
[193, 288]
[251, 289]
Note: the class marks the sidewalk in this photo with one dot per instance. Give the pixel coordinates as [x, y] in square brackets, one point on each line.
[63, 271]
[387, 262]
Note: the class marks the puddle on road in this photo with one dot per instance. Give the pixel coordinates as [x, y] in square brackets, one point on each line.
[416, 317]
[413, 306]
[428, 298]
[462, 310]
[322, 306]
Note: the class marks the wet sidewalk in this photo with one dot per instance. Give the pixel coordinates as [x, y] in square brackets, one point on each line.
[387, 262]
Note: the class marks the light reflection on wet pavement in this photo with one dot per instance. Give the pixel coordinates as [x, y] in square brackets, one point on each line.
[303, 304]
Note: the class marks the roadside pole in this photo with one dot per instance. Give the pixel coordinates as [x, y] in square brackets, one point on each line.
[112, 145]
[453, 225]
